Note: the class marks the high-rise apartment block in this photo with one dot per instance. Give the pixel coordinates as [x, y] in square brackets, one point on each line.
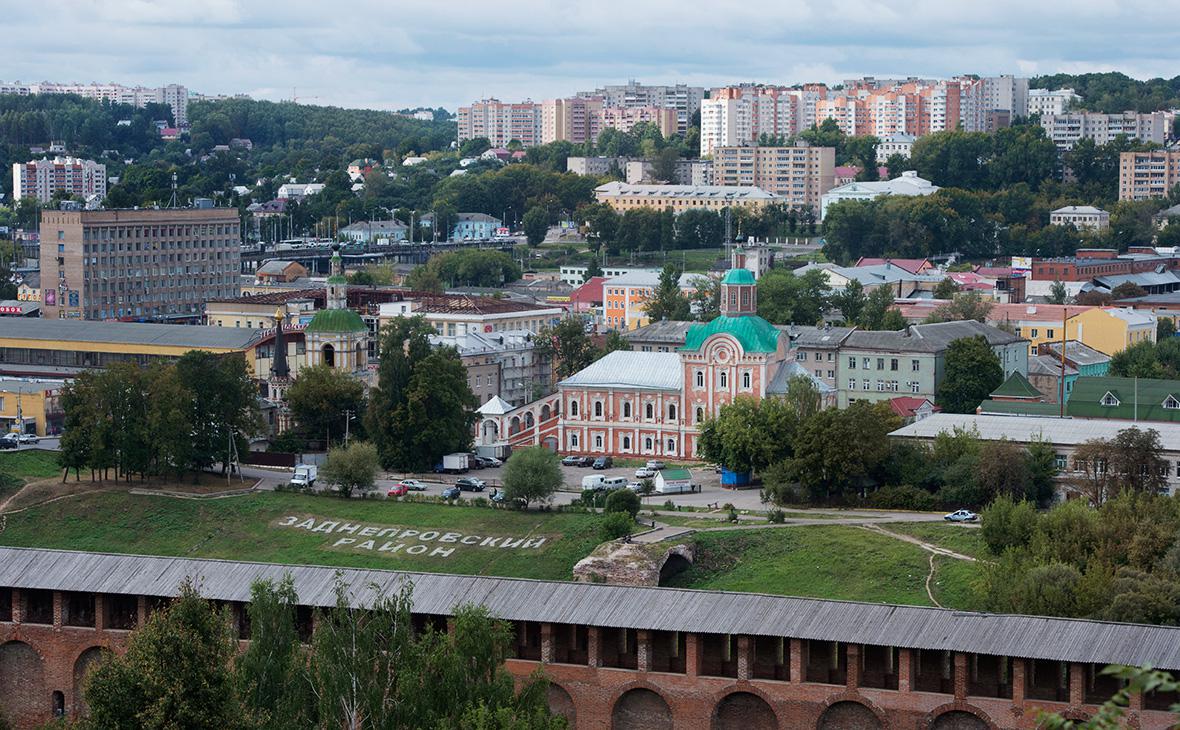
[1066, 129]
[1145, 175]
[577, 119]
[40, 179]
[1045, 101]
[801, 174]
[174, 95]
[686, 100]
[624, 119]
[738, 115]
[137, 264]
[501, 123]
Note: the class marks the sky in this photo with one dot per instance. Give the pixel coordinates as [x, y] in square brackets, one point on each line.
[391, 54]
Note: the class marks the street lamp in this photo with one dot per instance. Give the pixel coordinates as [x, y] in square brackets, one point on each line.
[349, 417]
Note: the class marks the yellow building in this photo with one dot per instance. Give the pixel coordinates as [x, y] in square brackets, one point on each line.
[680, 198]
[257, 311]
[29, 290]
[1111, 329]
[30, 407]
[624, 298]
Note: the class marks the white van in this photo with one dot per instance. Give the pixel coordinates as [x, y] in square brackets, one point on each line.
[593, 481]
[612, 483]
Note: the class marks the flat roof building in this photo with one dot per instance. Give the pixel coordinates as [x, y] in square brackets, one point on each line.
[800, 173]
[679, 198]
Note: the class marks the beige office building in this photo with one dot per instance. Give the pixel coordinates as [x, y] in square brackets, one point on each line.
[137, 264]
[1145, 175]
[679, 198]
[801, 174]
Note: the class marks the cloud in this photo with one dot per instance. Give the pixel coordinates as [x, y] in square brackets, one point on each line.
[426, 52]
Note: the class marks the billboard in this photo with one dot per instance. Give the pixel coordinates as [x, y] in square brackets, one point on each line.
[1022, 263]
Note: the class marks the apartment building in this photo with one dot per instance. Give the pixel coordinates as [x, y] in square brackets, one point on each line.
[1066, 129]
[1145, 175]
[40, 179]
[577, 119]
[501, 123]
[624, 298]
[1044, 102]
[1082, 217]
[896, 144]
[684, 172]
[138, 264]
[740, 115]
[686, 100]
[800, 174]
[504, 364]
[679, 198]
[175, 96]
[624, 119]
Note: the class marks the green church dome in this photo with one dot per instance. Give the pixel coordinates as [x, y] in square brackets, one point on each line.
[754, 333]
[336, 320]
[740, 277]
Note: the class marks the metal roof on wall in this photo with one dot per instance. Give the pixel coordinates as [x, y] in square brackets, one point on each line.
[662, 609]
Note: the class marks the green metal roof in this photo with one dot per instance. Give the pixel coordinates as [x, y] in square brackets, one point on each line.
[676, 475]
[1017, 386]
[337, 279]
[753, 333]
[1020, 408]
[1143, 400]
[738, 276]
[336, 320]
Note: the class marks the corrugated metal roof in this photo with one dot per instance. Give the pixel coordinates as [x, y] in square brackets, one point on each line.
[1067, 432]
[127, 333]
[662, 609]
[626, 369]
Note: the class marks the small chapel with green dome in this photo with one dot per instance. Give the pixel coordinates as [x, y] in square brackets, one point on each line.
[337, 336]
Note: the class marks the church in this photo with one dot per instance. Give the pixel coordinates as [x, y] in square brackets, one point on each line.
[649, 404]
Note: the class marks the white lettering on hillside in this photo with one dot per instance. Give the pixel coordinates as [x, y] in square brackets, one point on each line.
[403, 539]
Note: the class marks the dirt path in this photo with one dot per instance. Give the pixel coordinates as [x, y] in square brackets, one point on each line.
[934, 549]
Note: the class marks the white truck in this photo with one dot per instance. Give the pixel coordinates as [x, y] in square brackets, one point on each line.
[304, 476]
[457, 463]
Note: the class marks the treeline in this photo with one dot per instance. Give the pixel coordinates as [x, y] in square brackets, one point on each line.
[162, 420]
[1112, 92]
[345, 667]
[467, 267]
[649, 229]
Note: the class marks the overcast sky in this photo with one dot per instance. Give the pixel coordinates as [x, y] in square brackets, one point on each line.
[405, 53]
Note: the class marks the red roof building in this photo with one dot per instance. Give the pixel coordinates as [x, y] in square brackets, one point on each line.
[913, 409]
[587, 296]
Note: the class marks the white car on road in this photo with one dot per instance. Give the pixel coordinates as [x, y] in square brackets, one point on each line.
[644, 472]
[963, 515]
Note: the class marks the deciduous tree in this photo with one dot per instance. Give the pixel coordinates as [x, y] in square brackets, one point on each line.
[972, 372]
[532, 475]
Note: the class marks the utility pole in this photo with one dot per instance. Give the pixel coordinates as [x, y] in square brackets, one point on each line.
[348, 416]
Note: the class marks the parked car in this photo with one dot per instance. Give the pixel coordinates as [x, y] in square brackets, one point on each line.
[28, 438]
[645, 472]
[655, 465]
[470, 484]
[397, 490]
[8, 442]
[963, 515]
[451, 493]
[603, 462]
[576, 461]
[413, 485]
[488, 461]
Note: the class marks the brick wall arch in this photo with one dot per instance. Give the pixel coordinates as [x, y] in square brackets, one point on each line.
[850, 711]
[959, 716]
[85, 662]
[22, 685]
[641, 707]
[744, 710]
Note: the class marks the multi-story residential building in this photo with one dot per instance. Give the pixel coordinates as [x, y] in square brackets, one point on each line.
[686, 100]
[501, 123]
[594, 165]
[40, 179]
[1146, 175]
[1066, 129]
[1082, 217]
[624, 119]
[140, 264]
[455, 315]
[907, 184]
[504, 364]
[624, 298]
[1112, 329]
[370, 231]
[727, 120]
[576, 119]
[897, 144]
[680, 198]
[800, 173]
[1044, 102]
[174, 95]
[474, 227]
[684, 172]
[878, 366]
[576, 275]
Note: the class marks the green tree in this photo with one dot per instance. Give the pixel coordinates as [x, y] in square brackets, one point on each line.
[1110, 716]
[1164, 328]
[614, 525]
[667, 301]
[750, 434]
[1002, 468]
[705, 299]
[322, 398]
[623, 500]
[972, 372]
[352, 468]
[1058, 293]
[874, 315]
[1127, 290]
[168, 421]
[946, 289]
[536, 225]
[1139, 360]
[850, 301]
[568, 345]
[952, 159]
[964, 306]
[270, 675]
[175, 673]
[784, 298]
[838, 453]
[224, 405]
[532, 475]
[1008, 523]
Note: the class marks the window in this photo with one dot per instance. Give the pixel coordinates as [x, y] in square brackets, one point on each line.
[866, 363]
[647, 442]
[893, 364]
[746, 380]
[598, 441]
[573, 409]
[915, 365]
[626, 443]
[700, 414]
[649, 411]
[880, 363]
[852, 363]
[852, 383]
[626, 409]
[598, 409]
[865, 384]
[573, 440]
[831, 356]
[1109, 399]
[1059, 461]
[724, 379]
[1171, 403]
[700, 378]
[671, 446]
[802, 356]
[1033, 332]
[880, 386]
[915, 387]
[1049, 334]
[671, 411]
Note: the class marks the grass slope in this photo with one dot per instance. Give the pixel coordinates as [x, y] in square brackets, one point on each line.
[246, 528]
[18, 466]
[960, 539]
[820, 561]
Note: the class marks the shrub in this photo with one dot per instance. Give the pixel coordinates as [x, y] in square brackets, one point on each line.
[776, 516]
[614, 525]
[623, 500]
[669, 505]
[733, 515]
[1008, 524]
[902, 497]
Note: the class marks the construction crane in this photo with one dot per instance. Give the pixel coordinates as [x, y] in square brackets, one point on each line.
[295, 96]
